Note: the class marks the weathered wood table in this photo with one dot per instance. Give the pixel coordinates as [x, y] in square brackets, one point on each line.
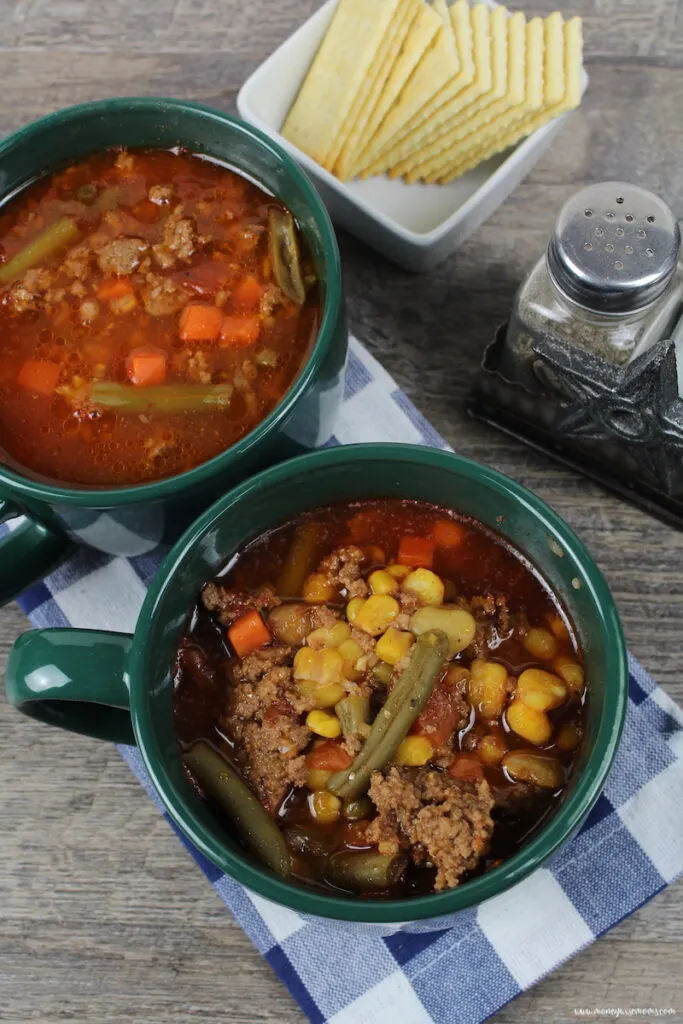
[103, 916]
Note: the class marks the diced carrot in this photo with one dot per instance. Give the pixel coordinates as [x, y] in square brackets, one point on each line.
[146, 365]
[240, 331]
[329, 756]
[248, 292]
[446, 533]
[440, 715]
[38, 375]
[248, 633]
[199, 322]
[114, 288]
[417, 552]
[466, 767]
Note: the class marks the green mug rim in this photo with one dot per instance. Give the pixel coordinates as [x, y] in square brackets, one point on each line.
[135, 493]
[562, 824]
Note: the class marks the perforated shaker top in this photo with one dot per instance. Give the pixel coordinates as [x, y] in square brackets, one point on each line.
[614, 248]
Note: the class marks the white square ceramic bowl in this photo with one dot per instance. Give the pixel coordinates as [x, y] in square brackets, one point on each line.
[416, 226]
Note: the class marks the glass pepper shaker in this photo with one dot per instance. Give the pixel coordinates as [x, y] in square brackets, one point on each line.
[610, 281]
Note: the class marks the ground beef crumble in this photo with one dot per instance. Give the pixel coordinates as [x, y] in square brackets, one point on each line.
[343, 569]
[229, 603]
[446, 822]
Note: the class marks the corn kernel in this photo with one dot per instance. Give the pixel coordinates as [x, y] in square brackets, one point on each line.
[531, 725]
[350, 651]
[414, 751]
[393, 645]
[377, 613]
[382, 582]
[320, 667]
[541, 690]
[488, 687]
[328, 695]
[329, 636]
[323, 724]
[425, 585]
[571, 672]
[558, 628]
[325, 807]
[539, 769]
[568, 737]
[540, 643]
[317, 778]
[491, 749]
[353, 608]
[399, 572]
[317, 589]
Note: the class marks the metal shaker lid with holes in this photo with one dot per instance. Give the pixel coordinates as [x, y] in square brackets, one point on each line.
[614, 248]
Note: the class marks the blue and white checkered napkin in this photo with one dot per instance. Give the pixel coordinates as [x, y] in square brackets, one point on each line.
[629, 849]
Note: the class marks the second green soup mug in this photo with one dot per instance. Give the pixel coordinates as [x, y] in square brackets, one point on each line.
[131, 521]
[120, 687]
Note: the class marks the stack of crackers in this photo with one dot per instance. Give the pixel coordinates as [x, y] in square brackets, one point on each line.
[426, 92]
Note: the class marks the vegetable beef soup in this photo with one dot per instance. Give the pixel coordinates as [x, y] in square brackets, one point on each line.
[379, 698]
[154, 307]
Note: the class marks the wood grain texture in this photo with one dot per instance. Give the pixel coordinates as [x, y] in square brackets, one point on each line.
[103, 914]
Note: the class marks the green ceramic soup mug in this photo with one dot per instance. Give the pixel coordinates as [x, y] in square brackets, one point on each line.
[56, 675]
[133, 520]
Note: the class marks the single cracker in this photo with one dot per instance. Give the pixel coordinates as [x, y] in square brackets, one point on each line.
[420, 37]
[341, 155]
[336, 75]
[436, 68]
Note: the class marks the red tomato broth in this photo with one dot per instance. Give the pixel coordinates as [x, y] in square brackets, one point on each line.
[481, 563]
[63, 436]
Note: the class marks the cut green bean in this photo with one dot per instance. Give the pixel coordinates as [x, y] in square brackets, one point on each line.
[364, 872]
[284, 254]
[126, 398]
[86, 194]
[301, 559]
[353, 713]
[60, 234]
[401, 708]
[253, 823]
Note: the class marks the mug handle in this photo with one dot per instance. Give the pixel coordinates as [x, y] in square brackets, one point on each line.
[74, 678]
[28, 553]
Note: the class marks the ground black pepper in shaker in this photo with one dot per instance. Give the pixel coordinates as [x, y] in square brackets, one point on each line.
[610, 282]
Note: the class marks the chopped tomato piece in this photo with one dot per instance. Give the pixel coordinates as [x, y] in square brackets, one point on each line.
[418, 552]
[200, 323]
[248, 292]
[204, 279]
[39, 375]
[439, 716]
[146, 365]
[240, 331]
[329, 756]
[145, 211]
[248, 633]
[466, 767]
[446, 533]
[114, 288]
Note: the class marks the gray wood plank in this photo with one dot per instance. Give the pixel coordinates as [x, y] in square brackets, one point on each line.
[105, 916]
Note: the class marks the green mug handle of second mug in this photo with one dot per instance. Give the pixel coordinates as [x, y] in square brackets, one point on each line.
[28, 553]
[74, 678]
